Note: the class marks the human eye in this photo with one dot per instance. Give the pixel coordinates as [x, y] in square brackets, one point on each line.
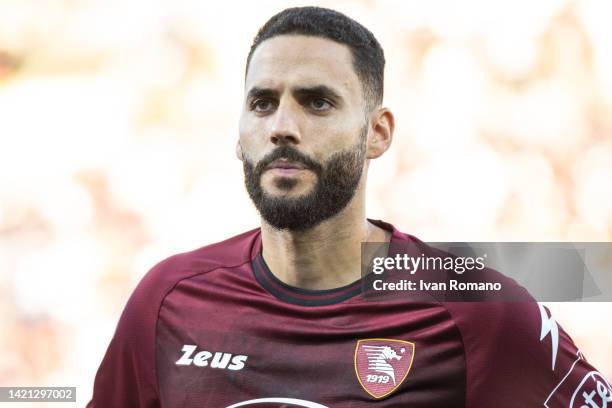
[319, 104]
[261, 105]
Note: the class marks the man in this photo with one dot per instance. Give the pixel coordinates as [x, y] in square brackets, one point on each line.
[278, 316]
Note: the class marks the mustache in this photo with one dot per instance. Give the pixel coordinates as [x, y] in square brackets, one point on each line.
[291, 154]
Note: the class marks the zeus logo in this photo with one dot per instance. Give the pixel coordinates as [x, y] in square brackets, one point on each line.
[549, 326]
[219, 360]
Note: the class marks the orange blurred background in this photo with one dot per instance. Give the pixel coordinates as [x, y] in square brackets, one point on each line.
[118, 122]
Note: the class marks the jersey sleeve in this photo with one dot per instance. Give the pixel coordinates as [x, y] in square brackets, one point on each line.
[127, 374]
[576, 382]
[517, 355]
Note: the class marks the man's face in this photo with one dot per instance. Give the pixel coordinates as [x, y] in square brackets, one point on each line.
[302, 130]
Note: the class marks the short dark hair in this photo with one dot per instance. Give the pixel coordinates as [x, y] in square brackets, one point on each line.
[367, 54]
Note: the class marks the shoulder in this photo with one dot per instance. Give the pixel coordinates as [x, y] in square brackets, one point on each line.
[462, 268]
[518, 353]
[164, 276]
[129, 363]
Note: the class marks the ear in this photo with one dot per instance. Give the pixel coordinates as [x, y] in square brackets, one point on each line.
[239, 151]
[381, 135]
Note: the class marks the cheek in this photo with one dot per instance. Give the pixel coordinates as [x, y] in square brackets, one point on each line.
[250, 141]
[341, 129]
[329, 139]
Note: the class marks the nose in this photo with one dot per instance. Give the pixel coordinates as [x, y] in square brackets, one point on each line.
[285, 128]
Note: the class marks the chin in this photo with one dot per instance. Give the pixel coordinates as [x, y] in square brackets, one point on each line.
[287, 187]
[290, 194]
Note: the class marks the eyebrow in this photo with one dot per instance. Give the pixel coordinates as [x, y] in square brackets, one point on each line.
[257, 92]
[317, 90]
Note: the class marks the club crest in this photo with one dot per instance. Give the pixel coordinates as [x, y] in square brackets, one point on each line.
[382, 365]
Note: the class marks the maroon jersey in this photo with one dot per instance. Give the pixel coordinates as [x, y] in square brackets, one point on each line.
[215, 328]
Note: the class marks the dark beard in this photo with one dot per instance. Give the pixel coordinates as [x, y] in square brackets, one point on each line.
[337, 181]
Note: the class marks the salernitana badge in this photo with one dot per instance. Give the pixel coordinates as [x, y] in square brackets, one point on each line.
[382, 365]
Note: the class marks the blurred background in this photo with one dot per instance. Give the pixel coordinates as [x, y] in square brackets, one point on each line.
[118, 121]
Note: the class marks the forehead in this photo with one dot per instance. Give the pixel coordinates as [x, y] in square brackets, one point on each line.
[298, 60]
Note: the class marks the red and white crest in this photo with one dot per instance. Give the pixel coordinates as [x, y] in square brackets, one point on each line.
[382, 365]
[593, 391]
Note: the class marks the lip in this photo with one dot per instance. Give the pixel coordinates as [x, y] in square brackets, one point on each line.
[285, 172]
[286, 165]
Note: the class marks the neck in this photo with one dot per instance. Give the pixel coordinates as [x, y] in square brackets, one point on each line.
[324, 257]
